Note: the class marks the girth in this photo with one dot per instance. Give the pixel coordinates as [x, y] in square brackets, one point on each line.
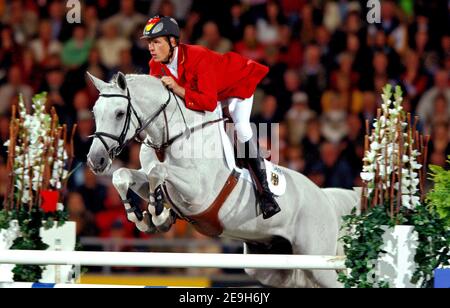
[207, 222]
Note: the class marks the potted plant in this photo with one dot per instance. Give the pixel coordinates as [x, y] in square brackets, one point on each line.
[395, 240]
[33, 216]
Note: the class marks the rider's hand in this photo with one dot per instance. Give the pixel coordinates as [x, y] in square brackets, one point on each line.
[169, 82]
[173, 85]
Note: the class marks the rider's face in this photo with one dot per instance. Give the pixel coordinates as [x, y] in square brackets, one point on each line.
[159, 49]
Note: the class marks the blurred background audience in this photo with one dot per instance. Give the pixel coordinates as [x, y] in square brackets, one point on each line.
[327, 68]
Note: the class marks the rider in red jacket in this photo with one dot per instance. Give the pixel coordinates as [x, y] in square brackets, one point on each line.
[204, 78]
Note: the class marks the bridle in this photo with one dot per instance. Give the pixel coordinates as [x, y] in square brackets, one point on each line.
[113, 152]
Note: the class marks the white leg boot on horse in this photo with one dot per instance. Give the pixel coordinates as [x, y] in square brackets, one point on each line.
[163, 218]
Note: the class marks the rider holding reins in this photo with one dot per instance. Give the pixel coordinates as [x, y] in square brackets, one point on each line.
[204, 78]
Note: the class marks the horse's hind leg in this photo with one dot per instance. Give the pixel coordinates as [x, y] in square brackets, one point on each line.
[278, 278]
[136, 180]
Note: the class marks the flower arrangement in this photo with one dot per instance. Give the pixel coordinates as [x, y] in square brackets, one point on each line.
[393, 194]
[37, 165]
[391, 170]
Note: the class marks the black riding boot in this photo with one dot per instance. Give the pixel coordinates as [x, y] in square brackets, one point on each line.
[267, 203]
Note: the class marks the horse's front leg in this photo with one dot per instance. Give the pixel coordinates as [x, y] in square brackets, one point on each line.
[136, 180]
[186, 185]
[163, 218]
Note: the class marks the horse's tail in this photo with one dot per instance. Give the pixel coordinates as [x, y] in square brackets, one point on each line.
[344, 200]
[358, 191]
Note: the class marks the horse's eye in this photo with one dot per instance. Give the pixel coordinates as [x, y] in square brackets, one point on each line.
[120, 115]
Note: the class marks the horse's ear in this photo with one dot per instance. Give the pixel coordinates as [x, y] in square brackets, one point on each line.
[121, 81]
[99, 84]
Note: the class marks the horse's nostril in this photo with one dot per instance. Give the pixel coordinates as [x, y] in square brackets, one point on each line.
[102, 161]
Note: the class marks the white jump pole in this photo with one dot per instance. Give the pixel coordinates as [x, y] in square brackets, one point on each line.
[34, 285]
[178, 260]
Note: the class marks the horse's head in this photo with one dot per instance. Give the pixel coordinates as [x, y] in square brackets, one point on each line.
[115, 120]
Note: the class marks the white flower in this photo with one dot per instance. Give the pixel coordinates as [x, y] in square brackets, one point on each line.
[375, 146]
[415, 182]
[369, 168]
[394, 111]
[406, 200]
[415, 165]
[405, 183]
[370, 156]
[405, 158]
[25, 196]
[405, 172]
[410, 201]
[367, 176]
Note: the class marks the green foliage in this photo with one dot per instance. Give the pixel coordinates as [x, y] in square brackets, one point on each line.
[30, 239]
[5, 218]
[30, 223]
[27, 273]
[58, 217]
[362, 246]
[363, 241]
[439, 197]
[38, 163]
[434, 245]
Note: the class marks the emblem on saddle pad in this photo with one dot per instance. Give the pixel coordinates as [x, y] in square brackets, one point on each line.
[275, 179]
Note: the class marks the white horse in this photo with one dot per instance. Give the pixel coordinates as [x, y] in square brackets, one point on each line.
[140, 106]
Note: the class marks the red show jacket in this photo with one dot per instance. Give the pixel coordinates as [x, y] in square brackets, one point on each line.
[209, 77]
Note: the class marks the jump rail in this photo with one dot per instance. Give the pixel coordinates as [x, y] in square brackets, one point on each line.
[173, 260]
[38, 285]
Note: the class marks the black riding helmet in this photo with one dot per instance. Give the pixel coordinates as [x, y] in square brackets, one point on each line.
[161, 26]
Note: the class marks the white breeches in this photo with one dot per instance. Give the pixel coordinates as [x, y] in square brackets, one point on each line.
[240, 110]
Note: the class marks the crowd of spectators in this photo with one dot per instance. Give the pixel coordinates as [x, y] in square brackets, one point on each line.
[327, 67]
